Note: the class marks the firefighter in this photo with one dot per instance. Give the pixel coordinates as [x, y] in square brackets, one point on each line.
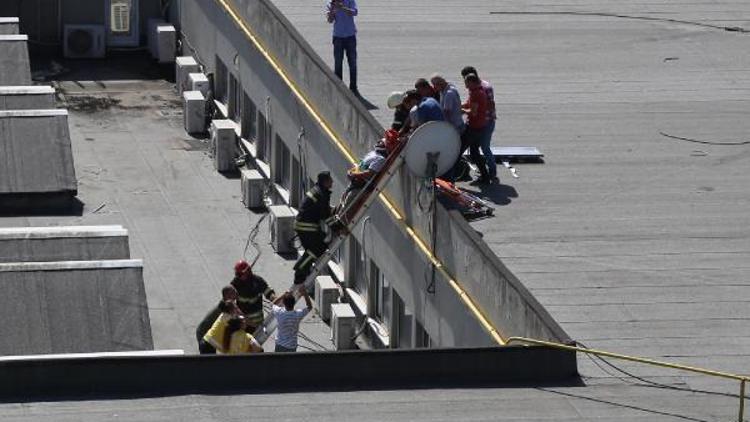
[250, 291]
[313, 214]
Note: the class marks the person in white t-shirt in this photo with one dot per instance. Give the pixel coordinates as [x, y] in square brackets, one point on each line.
[288, 320]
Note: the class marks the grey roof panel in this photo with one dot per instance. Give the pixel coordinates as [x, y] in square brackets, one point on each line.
[26, 97]
[35, 152]
[8, 26]
[14, 60]
[27, 244]
[73, 307]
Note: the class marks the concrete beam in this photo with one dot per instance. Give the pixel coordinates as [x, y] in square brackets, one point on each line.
[70, 243]
[27, 97]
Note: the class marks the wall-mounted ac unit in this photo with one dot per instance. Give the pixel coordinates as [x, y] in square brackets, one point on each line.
[282, 228]
[84, 41]
[253, 185]
[223, 143]
[343, 323]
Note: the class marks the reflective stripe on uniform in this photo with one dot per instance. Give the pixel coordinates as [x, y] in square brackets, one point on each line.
[255, 316]
[310, 195]
[311, 257]
[301, 226]
[245, 299]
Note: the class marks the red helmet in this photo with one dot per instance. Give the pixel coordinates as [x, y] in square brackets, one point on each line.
[391, 140]
[241, 267]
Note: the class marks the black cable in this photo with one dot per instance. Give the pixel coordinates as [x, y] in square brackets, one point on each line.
[697, 141]
[632, 17]
[654, 383]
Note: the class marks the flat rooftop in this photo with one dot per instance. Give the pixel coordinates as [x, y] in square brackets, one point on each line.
[634, 242]
[138, 168]
[635, 232]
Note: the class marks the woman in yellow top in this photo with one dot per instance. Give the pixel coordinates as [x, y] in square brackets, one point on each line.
[215, 335]
[236, 340]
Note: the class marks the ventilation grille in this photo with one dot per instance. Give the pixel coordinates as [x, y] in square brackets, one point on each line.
[120, 17]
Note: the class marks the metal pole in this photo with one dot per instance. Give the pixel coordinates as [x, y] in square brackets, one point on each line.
[742, 400]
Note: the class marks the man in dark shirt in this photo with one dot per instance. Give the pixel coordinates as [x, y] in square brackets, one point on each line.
[228, 294]
[250, 291]
[400, 112]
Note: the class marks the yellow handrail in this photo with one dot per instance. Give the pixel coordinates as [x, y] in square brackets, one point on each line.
[741, 378]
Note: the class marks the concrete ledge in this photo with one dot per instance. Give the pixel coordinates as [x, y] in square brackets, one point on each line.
[7, 233]
[333, 371]
[98, 355]
[70, 265]
[14, 37]
[26, 97]
[74, 243]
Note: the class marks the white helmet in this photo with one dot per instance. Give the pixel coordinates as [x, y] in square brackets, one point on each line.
[394, 99]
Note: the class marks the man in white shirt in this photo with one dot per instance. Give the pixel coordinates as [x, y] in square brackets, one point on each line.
[288, 320]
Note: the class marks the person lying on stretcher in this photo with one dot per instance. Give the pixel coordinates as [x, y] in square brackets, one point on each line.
[370, 165]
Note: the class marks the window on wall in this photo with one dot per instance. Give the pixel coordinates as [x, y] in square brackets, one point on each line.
[383, 304]
[401, 331]
[235, 99]
[283, 165]
[263, 135]
[120, 11]
[421, 338]
[221, 93]
[297, 190]
[249, 116]
[358, 269]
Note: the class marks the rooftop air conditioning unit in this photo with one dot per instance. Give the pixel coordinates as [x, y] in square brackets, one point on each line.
[84, 41]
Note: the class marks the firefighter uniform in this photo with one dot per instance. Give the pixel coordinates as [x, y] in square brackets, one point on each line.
[315, 211]
[250, 291]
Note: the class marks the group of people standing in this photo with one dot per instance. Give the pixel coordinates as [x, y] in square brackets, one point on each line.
[473, 119]
[228, 328]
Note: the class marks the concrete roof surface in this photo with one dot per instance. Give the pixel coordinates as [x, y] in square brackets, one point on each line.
[137, 168]
[634, 234]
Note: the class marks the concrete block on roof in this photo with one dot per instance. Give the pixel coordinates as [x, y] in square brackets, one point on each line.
[35, 153]
[194, 112]
[66, 243]
[14, 60]
[73, 307]
[8, 26]
[184, 65]
[30, 97]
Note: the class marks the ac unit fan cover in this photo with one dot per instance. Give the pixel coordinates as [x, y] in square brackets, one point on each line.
[80, 41]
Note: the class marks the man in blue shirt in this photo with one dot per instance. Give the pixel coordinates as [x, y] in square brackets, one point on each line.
[429, 110]
[341, 14]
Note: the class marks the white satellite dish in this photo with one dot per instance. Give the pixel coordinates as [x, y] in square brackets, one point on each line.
[433, 141]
